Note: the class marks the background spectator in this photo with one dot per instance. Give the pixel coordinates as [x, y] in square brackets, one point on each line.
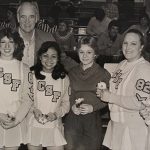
[110, 42]
[11, 21]
[98, 23]
[147, 7]
[111, 10]
[47, 25]
[65, 37]
[143, 25]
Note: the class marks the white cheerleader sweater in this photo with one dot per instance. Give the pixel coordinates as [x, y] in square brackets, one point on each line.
[14, 88]
[129, 86]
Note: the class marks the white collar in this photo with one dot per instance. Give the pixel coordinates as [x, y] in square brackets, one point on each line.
[32, 38]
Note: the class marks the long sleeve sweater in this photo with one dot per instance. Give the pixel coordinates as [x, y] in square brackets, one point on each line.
[129, 86]
[84, 82]
[54, 99]
[26, 100]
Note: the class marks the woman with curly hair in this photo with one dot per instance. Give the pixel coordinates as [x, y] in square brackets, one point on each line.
[51, 100]
[15, 100]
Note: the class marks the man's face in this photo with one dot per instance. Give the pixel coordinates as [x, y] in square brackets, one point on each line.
[144, 21]
[27, 18]
[62, 27]
[50, 20]
[114, 31]
[9, 15]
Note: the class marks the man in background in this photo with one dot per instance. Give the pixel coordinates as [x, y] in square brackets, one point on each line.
[98, 23]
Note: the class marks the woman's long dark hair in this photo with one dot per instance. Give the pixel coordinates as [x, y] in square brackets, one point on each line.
[58, 71]
[18, 41]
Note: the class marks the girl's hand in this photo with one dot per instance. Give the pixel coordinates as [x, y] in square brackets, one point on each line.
[63, 56]
[51, 116]
[5, 118]
[43, 119]
[86, 108]
[8, 125]
[145, 113]
[76, 110]
[102, 94]
[146, 102]
[37, 114]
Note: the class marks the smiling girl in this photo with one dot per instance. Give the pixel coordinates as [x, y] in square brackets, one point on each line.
[83, 123]
[15, 99]
[51, 100]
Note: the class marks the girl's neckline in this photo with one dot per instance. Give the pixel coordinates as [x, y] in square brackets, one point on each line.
[46, 73]
[7, 60]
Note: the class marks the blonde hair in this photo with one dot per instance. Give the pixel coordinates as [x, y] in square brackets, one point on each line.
[90, 41]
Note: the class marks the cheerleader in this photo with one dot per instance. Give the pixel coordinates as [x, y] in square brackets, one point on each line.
[16, 98]
[51, 100]
[128, 95]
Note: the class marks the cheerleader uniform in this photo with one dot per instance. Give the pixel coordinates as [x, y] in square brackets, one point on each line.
[14, 100]
[50, 95]
[129, 85]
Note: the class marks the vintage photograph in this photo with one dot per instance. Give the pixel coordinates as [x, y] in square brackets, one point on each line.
[74, 74]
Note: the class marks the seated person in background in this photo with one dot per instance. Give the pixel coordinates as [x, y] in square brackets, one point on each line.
[98, 23]
[111, 9]
[65, 37]
[147, 7]
[47, 25]
[11, 20]
[109, 43]
[142, 26]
